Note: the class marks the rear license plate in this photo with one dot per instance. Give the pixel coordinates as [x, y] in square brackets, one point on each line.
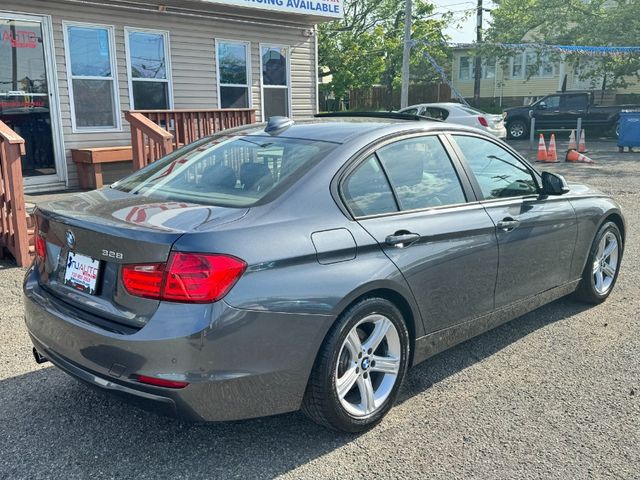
[81, 273]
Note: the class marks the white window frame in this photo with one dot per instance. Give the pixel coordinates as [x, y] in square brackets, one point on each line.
[545, 60]
[114, 77]
[288, 86]
[486, 66]
[167, 64]
[512, 63]
[249, 84]
[469, 69]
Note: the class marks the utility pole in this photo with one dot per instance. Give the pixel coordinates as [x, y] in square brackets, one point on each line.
[406, 55]
[478, 68]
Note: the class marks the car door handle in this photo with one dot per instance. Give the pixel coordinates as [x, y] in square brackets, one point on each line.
[508, 224]
[402, 239]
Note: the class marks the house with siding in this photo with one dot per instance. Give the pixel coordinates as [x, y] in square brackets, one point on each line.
[69, 69]
[529, 75]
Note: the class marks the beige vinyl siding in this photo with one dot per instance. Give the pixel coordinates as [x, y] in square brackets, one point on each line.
[505, 86]
[193, 62]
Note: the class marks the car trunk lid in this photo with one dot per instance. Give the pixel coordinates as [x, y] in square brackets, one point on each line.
[106, 229]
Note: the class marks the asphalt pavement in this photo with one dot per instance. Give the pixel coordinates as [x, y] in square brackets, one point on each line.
[554, 394]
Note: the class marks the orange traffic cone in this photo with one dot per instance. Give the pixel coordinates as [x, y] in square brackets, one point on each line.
[575, 157]
[582, 146]
[552, 154]
[572, 141]
[542, 149]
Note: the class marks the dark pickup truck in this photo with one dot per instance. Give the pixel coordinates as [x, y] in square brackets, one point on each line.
[561, 111]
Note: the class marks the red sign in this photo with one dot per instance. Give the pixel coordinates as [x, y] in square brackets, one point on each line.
[20, 39]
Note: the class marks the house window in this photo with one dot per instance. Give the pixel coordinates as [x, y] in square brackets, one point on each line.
[539, 65]
[92, 77]
[547, 67]
[516, 66]
[489, 68]
[275, 81]
[233, 62]
[149, 69]
[465, 68]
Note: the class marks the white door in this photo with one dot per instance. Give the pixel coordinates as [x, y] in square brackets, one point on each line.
[29, 97]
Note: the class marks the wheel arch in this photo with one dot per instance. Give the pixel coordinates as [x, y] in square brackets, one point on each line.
[616, 218]
[518, 118]
[402, 300]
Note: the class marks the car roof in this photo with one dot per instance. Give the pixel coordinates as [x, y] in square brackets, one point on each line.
[344, 129]
[439, 104]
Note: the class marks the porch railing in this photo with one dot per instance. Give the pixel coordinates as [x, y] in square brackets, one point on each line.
[149, 141]
[14, 232]
[155, 133]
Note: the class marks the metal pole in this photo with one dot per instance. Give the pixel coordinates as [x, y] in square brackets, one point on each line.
[532, 133]
[478, 69]
[578, 131]
[406, 55]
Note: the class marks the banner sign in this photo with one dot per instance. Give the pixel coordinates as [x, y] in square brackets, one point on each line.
[317, 8]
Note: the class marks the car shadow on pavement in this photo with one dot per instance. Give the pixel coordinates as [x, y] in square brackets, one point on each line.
[54, 426]
[472, 351]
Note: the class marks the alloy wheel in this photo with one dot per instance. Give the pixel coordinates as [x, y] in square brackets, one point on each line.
[368, 365]
[605, 264]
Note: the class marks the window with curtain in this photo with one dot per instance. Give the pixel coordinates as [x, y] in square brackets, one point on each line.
[233, 74]
[148, 62]
[91, 71]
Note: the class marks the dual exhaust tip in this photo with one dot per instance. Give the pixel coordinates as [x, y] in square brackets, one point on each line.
[39, 357]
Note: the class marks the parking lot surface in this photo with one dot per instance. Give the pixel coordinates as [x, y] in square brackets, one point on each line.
[553, 394]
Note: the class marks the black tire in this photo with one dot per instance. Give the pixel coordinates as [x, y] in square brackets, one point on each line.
[587, 291]
[321, 401]
[517, 129]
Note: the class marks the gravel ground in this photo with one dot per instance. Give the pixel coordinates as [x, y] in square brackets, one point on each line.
[554, 394]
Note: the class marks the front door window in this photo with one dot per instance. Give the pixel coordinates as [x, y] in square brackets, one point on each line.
[24, 93]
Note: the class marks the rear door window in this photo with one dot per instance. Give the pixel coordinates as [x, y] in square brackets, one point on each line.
[498, 172]
[367, 191]
[437, 113]
[574, 102]
[421, 173]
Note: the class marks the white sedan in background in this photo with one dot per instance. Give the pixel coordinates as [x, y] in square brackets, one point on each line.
[457, 113]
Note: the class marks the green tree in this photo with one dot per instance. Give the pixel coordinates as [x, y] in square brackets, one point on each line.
[574, 22]
[365, 47]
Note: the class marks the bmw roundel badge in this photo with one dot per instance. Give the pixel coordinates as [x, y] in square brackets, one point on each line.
[71, 239]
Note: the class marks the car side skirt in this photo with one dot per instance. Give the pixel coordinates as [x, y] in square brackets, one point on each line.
[436, 342]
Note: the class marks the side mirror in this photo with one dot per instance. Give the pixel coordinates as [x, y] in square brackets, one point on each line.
[553, 184]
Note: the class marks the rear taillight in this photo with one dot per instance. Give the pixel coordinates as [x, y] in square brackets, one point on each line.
[41, 247]
[187, 277]
[483, 121]
[144, 280]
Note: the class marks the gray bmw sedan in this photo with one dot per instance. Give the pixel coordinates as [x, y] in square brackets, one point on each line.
[307, 265]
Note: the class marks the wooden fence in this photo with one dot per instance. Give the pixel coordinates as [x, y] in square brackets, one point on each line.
[155, 133]
[15, 234]
[380, 98]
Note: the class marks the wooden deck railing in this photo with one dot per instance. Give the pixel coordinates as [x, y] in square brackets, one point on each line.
[14, 232]
[155, 133]
[149, 142]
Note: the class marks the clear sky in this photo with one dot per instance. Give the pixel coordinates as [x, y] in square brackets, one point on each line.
[465, 15]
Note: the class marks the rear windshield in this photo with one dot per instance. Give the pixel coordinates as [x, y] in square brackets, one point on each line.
[227, 171]
[472, 111]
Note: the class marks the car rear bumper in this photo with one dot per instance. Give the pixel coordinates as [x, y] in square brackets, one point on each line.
[500, 132]
[238, 363]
